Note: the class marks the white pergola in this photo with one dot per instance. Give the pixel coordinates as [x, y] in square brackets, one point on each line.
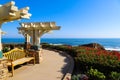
[35, 30]
[10, 12]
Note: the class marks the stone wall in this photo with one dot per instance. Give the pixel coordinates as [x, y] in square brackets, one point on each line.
[38, 55]
[3, 69]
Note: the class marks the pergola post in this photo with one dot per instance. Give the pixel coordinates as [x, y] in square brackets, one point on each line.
[0, 42]
[27, 41]
[27, 38]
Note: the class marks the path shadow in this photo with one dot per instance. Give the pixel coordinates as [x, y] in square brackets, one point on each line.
[66, 67]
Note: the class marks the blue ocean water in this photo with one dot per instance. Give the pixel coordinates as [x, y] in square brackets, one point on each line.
[108, 43]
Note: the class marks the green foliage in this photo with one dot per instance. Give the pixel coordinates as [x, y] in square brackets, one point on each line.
[115, 76]
[76, 77]
[96, 75]
[5, 49]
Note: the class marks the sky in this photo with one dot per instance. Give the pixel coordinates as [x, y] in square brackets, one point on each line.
[77, 18]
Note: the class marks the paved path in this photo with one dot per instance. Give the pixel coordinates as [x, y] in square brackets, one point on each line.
[53, 67]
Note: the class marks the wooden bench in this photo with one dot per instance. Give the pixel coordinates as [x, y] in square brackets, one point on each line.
[17, 57]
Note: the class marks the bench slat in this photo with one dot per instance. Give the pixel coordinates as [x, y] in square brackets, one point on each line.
[20, 61]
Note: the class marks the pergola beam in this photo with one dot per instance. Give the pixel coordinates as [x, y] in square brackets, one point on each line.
[10, 12]
[39, 28]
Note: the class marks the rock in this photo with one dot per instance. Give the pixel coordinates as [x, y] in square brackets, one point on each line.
[84, 77]
[93, 45]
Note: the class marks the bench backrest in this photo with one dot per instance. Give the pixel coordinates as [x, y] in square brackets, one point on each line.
[15, 54]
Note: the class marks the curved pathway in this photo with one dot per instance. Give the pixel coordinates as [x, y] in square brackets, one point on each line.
[53, 67]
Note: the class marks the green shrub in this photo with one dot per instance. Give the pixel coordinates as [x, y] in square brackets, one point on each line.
[76, 77]
[115, 76]
[5, 49]
[95, 74]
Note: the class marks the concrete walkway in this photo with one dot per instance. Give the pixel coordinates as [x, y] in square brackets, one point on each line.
[53, 67]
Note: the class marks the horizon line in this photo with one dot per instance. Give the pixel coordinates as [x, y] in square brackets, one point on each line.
[69, 37]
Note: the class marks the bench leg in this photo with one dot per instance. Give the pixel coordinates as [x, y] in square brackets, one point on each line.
[12, 66]
[34, 61]
[12, 70]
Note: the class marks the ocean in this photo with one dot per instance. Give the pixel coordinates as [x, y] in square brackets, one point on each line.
[108, 43]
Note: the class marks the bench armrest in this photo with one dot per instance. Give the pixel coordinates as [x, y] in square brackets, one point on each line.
[9, 60]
